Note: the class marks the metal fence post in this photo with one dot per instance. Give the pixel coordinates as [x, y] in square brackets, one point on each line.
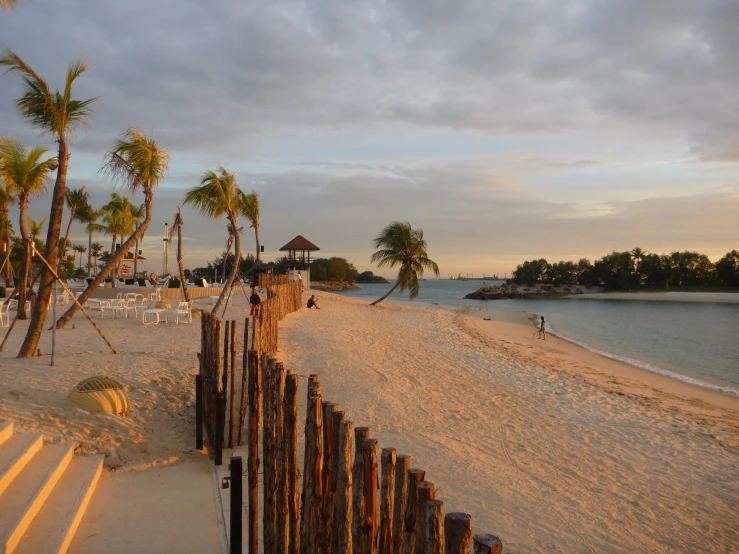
[236, 504]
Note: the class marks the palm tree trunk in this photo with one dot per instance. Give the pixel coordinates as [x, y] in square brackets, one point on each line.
[136, 259]
[256, 235]
[46, 279]
[89, 255]
[23, 210]
[235, 270]
[395, 286]
[66, 235]
[7, 241]
[183, 280]
[225, 261]
[114, 260]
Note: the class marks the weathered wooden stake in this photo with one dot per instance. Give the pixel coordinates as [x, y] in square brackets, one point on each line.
[329, 485]
[487, 544]
[293, 473]
[435, 527]
[269, 440]
[370, 524]
[425, 492]
[402, 467]
[244, 383]
[281, 491]
[232, 412]
[255, 408]
[312, 486]
[387, 499]
[336, 418]
[360, 435]
[457, 533]
[415, 476]
[224, 387]
[344, 489]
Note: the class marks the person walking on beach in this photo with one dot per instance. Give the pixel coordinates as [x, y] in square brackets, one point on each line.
[254, 299]
[542, 330]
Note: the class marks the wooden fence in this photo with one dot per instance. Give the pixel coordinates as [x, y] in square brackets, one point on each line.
[354, 497]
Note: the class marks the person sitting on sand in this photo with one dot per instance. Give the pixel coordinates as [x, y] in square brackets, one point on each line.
[254, 299]
[542, 331]
[313, 302]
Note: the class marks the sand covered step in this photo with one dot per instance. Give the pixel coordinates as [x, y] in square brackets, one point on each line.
[25, 496]
[6, 431]
[15, 453]
[56, 523]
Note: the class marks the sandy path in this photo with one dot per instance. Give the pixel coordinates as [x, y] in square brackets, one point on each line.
[548, 460]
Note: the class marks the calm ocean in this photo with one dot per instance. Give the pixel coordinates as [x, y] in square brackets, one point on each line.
[695, 342]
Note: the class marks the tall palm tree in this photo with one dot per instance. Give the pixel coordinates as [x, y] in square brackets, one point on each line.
[251, 207]
[76, 200]
[400, 245]
[118, 220]
[178, 222]
[219, 195]
[137, 162]
[6, 199]
[25, 175]
[79, 249]
[58, 114]
[35, 228]
[89, 216]
[97, 250]
[137, 213]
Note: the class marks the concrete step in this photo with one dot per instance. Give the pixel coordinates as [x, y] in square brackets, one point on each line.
[52, 530]
[15, 453]
[25, 496]
[6, 431]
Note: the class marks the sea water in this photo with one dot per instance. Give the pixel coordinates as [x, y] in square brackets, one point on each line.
[694, 342]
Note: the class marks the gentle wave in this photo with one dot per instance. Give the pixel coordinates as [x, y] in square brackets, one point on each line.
[644, 365]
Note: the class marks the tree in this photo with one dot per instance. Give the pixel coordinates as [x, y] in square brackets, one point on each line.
[118, 221]
[58, 114]
[531, 272]
[97, 250]
[79, 249]
[137, 214]
[400, 245]
[6, 199]
[137, 162]
[36, 228]
[89, 217]
[251, 212]
[178, 222]
[219, 195]
[77, 200]
[616, 271]
[26, 176]
[727, 269]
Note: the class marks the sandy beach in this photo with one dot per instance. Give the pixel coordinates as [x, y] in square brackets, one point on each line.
[548, 445]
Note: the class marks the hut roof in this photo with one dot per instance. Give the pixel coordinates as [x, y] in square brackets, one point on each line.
[299, 243]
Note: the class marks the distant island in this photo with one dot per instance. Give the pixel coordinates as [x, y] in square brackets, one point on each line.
[369, 277]
[513, 290]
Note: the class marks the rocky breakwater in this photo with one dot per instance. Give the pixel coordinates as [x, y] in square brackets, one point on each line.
[333, 285]
[534, 291]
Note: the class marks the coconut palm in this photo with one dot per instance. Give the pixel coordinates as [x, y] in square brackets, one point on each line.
[76, 200]
[6, 199]
[59, 115]
[137, 213]
[401, 245]
[252, 214]
[89, 216]
[177, 225]
[97, 250]
[79, 249]
[118, 220]
[137, 162]
[35, 228]
[219, 195]
[26, 176]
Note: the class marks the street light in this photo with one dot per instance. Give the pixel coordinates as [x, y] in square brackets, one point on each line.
[165, 245]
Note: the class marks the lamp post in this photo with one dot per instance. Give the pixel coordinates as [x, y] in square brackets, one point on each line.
[165, 245]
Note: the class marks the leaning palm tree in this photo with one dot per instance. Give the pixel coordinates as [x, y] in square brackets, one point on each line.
[26, 175]
[219, 195]
[401, 245]
[137, 162]
[76, 199]
[59, 115]
[252, 214]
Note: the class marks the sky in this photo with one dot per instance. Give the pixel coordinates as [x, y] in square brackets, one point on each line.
[506, 130]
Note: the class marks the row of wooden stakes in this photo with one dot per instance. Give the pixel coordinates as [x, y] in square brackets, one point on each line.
[344, 507]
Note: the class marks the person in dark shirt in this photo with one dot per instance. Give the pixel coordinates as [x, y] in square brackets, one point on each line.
[313, 302]
[254, 299]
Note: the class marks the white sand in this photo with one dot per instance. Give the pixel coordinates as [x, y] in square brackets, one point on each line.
[550, 446]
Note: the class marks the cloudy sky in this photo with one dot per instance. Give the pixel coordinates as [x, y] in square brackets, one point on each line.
[507, 130]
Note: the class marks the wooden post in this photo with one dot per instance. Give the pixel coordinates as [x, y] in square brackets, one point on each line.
[360, 435]
[425, 492]
[232, 413]
[435, 527]
[368, 531]
[312, 486]
[457, 533]
[293, 473]
[387, 497]
[415, 476]
[244, 385]
[216, 367]
[224, 376]
[269, 440]
[329, 409]
[281, 492]
[255, 408]
[344, 489]
[336, 418]
[402, 467]
[487, 544]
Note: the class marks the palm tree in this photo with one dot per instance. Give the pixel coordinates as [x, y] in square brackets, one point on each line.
[137, 213]
[401, 245]
[76, 199]
[37, 227]
[137, 162]
[6, 199]
[97, 250]
[252, 214]
[219, 195]
[26, 176]
[118, 220]
[178, 222]
[58, 114]
[79, 249]
[89, 217]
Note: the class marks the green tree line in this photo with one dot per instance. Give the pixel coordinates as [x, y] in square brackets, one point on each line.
[630, 269]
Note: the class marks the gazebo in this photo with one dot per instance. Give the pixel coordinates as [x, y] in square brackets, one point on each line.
[296, 252]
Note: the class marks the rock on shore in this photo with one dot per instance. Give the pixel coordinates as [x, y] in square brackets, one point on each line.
[534, 291]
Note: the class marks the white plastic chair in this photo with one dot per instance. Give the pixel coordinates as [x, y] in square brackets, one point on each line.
[119, 307]
[105, 307]
[182, 312]
[4, 314]
[131, 305]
